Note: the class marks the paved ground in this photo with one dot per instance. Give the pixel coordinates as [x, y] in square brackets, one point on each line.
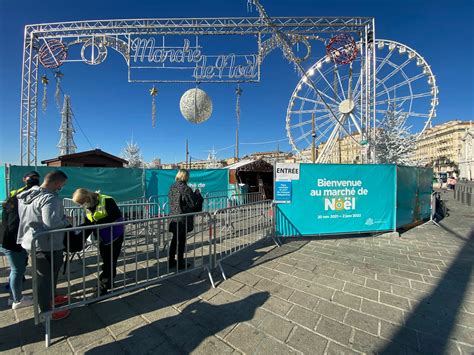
[384, 294]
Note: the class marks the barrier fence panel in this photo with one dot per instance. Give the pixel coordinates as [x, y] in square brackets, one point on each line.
[245, 198]
[239, 227]
[212, 200]
[130, 211]
[161, 205]
[143, 259]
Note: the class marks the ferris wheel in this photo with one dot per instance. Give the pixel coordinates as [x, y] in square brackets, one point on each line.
[404, 82]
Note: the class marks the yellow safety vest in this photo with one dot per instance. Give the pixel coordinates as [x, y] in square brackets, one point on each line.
[100, 211]
[16, 192]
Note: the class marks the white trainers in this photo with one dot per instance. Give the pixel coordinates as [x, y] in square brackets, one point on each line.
[26, 301]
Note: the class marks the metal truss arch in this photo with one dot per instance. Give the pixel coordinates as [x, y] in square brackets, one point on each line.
[102, 35]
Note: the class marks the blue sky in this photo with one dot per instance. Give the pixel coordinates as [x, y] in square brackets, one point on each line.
[110, 110]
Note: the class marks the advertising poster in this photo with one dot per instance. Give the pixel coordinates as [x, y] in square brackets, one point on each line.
[331, 198]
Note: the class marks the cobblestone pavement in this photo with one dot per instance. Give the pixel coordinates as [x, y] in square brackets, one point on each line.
[345, 295]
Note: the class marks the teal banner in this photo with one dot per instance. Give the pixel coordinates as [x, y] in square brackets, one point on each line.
[158, 181]
[425, 189]
[120, 183]
[334, 198]
[414, 188]
[3, 184]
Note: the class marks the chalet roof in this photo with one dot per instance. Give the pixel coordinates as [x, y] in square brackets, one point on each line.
[251, 165]
[85, 154]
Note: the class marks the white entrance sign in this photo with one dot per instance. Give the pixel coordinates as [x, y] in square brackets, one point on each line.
[287, 171]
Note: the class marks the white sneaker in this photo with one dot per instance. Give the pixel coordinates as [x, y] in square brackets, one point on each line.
[26, 301]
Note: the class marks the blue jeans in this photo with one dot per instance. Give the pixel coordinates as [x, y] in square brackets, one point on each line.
[17, 261]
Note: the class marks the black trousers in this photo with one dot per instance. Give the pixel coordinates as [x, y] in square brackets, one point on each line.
[179, 237]
[47, 278]
[109, 254]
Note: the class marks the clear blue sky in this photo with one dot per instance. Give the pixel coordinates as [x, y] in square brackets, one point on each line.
[110, 110]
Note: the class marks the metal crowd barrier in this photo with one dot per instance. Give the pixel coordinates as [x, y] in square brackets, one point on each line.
[246, 198]
[142, 261]
[213, 200]
[130, 211]
[239, 227]
[144, 256]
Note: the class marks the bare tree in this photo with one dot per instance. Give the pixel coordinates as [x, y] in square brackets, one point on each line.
[394, 143]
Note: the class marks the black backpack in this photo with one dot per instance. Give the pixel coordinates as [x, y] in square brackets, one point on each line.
[9, 225]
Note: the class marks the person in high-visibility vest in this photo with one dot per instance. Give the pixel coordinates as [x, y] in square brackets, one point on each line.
[31, 178]
[102, 209]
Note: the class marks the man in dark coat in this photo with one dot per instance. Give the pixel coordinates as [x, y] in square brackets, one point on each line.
[182, 200]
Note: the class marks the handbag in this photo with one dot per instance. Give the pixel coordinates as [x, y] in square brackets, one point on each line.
[76, 242]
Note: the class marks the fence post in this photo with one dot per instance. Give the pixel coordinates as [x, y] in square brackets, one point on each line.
[47, 336]
[34, 281]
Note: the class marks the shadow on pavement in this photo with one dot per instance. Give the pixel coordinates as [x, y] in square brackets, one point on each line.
[435, 316]
[176, 291]
[186, 331]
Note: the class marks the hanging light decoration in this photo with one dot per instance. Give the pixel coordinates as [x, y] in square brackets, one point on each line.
[52, 54]
[153, 93]
[195, 105]
[238, 92]
[57, 94]
[342, 49]
[44, 101]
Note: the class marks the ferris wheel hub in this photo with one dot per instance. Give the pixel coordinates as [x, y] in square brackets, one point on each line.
[346, 106]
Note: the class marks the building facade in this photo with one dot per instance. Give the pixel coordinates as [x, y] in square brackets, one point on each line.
[466, 164]
[441, 146]
[347, 150]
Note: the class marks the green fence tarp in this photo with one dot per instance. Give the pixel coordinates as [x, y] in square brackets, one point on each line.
[425, 185]
[158, 181]
[414, 187]
[333, 198]
[120, 183]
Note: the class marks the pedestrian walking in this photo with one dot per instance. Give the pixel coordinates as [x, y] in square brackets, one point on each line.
[182, 200]
[102, 209]
[40, 209]
[17, 256]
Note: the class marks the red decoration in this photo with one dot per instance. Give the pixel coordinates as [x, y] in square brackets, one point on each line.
[52, 54]
[342, 49]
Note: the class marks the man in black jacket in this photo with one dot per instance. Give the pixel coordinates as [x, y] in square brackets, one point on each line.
[182, 200]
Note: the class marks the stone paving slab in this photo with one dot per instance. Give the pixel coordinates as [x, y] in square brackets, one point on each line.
[381, 294]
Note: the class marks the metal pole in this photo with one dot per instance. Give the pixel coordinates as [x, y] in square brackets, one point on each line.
[187, 153]
[313, 143]
[238, 92]
[374, 69]
[237, 143]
